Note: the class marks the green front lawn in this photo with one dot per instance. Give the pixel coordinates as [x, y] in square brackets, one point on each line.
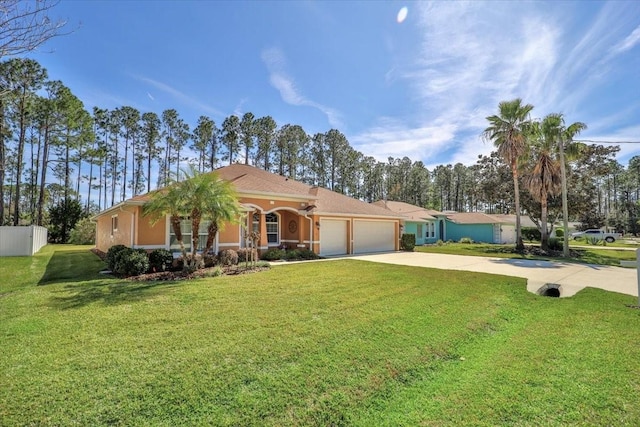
[592, 255]
[325, 343]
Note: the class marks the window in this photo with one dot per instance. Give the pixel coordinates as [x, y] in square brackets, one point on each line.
[185, 227]
[419, 231]
[432, 229]
[255, 227]
[271, 220]
[256, 223]
[114, 224]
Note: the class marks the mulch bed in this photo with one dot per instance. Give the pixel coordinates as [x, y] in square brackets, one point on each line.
[205, 272]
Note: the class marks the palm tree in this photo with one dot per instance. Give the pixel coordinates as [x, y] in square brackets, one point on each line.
[562, 137]
[508, 132]
[167, 201]
[199, 196]
[544, 179]
[209, 198]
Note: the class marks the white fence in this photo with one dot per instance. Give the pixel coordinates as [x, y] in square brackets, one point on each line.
[22, 241]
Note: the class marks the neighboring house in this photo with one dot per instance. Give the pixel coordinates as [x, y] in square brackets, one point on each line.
[478, 226]
[285, 212]
[426, 224]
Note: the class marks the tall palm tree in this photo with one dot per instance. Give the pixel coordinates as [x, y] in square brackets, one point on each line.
[562, 137]
[544, 180]
[508, 131]
[201, 197]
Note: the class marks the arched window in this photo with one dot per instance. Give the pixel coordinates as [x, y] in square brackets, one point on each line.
[271, 220]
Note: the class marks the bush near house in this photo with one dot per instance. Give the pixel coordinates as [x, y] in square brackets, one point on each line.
[112, 255]
[228, 257]
[466, 240]
[531, 233]
[289, 255]
[131, 262]
[408, 242]
[244, 255]
[84, 233]
[160, 260]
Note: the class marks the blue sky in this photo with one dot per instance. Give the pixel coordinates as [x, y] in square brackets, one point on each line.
[419, 88]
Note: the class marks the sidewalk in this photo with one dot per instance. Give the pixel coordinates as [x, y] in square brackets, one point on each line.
[570, 276]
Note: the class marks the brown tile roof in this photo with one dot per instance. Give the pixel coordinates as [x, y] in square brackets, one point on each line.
[473, 218]
[414, 212]
[249, 180]
[525, 221]
[332, 202]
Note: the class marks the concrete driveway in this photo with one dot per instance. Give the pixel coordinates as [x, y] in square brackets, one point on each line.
[571, 277]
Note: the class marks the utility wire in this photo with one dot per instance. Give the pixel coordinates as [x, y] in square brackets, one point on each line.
[607, 142]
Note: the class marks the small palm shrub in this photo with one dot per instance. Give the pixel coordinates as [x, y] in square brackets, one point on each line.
[466, 240]
[131, 262]
[408, 242]
[160, 260]
[595, 241]
[112, 254]
[228, 257]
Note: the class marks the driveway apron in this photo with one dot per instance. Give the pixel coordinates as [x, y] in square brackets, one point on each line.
[570, 277]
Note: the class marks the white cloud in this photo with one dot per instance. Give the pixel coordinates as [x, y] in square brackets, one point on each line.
[180, 96]
[276, 64]
[628, 43]
[473, 56]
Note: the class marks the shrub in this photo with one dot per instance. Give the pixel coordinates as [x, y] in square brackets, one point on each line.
[84, 233]
[210, 260]
[595, 241]
[112, 254]
[467, 240]
[555, 244]
[559, 232]
[292, 255]
[439, 242]
[132, 262]
[228, 257]
[531, 233]
[263, 264]
[244, 254]
[193, 263]
[408, 242]
[307, 254]
[213, 272]
[273, 255]
[160, 260]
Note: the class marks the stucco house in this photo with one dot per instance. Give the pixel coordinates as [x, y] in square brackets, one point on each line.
[285, 212]
[426, 224]
[478, 226]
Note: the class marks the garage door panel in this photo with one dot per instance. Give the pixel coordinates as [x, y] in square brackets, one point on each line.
[333, 237]
[374, 236]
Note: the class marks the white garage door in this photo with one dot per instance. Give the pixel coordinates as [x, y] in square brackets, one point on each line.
[508, 234]
[374, 236]
[333, 237]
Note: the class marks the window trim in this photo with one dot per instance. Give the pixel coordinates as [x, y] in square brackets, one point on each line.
[277, 232]
[114, 224]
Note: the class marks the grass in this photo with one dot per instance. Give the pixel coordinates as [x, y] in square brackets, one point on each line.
[593, 255]
[329, 343]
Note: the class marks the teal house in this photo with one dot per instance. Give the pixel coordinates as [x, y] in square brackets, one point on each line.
[479, 227]
[427, 225]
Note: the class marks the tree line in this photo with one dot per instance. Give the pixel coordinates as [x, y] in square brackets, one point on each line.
[56, 153]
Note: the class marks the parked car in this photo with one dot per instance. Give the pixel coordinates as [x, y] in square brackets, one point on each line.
[598, 234]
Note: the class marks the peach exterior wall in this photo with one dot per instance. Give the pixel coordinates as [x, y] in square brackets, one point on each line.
[147, 234]
[229, 237]
[121, 236]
